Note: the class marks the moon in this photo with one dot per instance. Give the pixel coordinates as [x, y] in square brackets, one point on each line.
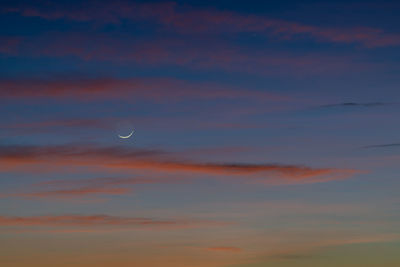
[127, 136]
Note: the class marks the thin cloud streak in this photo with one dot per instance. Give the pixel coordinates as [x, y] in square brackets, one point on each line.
[355, 104]
[155, 89]
[190, 20]
[193, 54]
[119, 158]
[383, 145]
[103, 221]
[70, 189]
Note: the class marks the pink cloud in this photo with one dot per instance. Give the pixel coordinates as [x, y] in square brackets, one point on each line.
[190, 20]
[123, 159]
[155, 89]
[188, 53]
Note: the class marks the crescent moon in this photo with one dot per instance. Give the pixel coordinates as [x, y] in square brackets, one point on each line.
[127, 136]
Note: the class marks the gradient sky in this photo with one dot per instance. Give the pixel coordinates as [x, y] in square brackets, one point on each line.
[266, 133]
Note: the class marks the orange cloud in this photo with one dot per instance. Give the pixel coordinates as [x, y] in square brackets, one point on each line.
[118, 158]
[101, 221]
[70, 189]
[295, 172]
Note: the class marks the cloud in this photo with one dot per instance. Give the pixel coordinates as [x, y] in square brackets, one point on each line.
[130, 159]
[71, 189]
[103, 221]
[110, 181]
[192, 53]
[174, 17]
[74, 151]
[77, 192]
[134, 89]
[225, 249]
[356, 104]
[383, 145]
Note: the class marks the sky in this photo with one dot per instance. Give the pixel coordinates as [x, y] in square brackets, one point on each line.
[265, 133]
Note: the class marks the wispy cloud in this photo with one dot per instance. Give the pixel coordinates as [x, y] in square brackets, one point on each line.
[156, 89]
[357, 104]
[383, 145]
[191, 20]
[193, 53]
[103, 221]
[71, 189]
[130, 159]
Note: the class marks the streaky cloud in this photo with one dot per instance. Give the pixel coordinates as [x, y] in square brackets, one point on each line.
[357, 104]
[139, 88]
[172, 51]
[116, 158]
[383, 145]
[71, 189]
[101, 220]
[170, 15]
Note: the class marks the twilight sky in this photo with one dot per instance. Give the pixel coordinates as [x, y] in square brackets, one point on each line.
[266, 133]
